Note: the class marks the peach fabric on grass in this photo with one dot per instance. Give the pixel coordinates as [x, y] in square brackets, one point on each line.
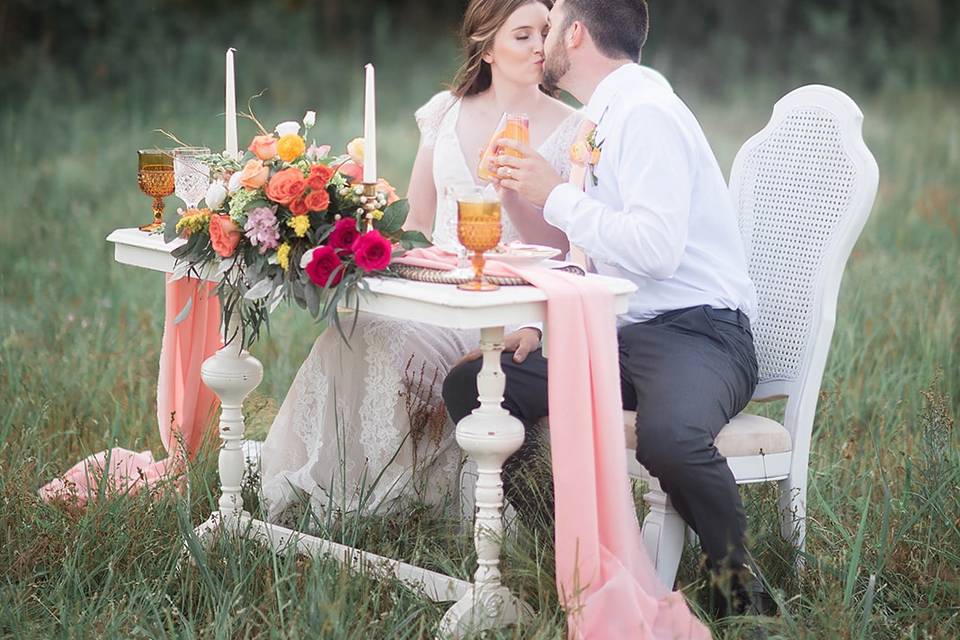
[185, 406]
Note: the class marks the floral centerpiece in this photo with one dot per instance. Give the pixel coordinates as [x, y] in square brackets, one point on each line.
[288, 221]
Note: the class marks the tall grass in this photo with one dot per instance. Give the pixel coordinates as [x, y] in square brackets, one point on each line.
[80, 335]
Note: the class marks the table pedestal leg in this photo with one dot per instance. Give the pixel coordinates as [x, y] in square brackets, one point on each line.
[489, 435]
[231, 373]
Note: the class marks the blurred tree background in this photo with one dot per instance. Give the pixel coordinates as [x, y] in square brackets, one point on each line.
[872, 43]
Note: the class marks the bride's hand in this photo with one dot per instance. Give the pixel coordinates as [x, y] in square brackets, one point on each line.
[520, 343]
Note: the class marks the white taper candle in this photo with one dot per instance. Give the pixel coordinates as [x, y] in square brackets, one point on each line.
[231, 109]
[370, 129]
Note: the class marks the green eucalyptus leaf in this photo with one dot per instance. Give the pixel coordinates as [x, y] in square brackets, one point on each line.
[413, 240]
[393, 217]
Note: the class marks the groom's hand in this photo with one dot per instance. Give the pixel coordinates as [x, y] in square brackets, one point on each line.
[531, 176]
[520, 343]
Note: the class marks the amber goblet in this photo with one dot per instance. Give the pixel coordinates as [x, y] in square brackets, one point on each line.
[478, 229]
[155, 177]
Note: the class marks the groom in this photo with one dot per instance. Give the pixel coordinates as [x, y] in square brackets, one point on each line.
[656, 211]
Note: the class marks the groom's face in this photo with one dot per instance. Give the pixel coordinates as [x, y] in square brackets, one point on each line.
[556, 62]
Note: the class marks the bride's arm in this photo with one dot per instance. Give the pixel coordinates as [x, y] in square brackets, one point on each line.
[422, 194]
[529, 223]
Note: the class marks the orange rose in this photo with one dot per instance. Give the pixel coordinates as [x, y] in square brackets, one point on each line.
[320, 175]
[264, 147]
[254, 174]
[286, 186]
[385, 187]
[299, 207]
[224, 235]
[290, 147]
[317, 200]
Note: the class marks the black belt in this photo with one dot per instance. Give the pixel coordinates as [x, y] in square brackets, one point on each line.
[737, 317]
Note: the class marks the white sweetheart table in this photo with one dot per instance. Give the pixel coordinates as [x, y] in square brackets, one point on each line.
[489, 435]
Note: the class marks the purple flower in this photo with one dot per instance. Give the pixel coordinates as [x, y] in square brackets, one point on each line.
[262, 228]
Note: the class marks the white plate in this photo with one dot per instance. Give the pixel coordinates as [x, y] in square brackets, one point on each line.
[523, 254]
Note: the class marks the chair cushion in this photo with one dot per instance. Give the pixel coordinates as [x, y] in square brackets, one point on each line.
[745, 435]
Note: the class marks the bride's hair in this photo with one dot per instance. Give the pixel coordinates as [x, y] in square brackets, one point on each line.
[481, 22]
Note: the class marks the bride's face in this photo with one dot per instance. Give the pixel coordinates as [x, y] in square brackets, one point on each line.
[517, 51]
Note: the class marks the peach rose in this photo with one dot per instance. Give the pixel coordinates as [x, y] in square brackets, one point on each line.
[290, 147]
[224, 235]
[355, 148]
[254, 174]
[386, 188]
[264, 147]
[286, 186]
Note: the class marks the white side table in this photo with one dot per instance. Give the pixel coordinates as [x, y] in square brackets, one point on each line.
[489, 435]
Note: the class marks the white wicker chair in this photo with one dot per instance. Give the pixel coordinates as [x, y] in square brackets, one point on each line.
[804, 187]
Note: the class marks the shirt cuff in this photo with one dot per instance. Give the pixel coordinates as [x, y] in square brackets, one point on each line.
[558, 209]
[532, 325]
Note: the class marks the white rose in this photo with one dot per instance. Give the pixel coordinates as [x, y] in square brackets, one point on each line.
[310, 119]
[216, 194]
[306, 257]
[288, 128]
[234, 181]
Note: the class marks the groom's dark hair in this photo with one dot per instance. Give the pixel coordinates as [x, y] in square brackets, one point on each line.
[618, 27]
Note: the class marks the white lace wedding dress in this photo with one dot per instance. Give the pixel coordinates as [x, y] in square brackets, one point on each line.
[342, 439]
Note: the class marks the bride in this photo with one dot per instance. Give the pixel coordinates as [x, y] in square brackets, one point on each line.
[363, 426]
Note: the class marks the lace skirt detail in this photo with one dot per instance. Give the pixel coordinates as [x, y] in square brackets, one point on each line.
[343, 440]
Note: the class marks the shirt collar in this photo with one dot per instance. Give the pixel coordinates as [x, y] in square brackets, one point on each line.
[608, 90]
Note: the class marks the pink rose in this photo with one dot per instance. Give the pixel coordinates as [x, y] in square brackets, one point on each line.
[324, 262]
[264, 147]
[254, 174]
[372, 251]
[344, 234]
[224, 235]
[352, 170]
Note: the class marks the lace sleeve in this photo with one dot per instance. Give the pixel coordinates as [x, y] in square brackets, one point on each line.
[558, 153]
[430, 115]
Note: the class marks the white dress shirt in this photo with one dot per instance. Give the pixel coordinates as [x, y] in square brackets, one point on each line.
[660, 215]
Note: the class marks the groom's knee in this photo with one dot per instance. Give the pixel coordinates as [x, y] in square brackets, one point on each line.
[460, 389]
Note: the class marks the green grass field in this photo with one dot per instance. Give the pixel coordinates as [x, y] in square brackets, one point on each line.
[80, 338]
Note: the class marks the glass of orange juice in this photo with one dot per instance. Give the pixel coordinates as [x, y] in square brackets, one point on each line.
[478, 229]
[513, 126]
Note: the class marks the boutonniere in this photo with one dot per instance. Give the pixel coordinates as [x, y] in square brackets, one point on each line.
[587, 153]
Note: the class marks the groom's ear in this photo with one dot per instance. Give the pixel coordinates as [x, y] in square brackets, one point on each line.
[575, 35]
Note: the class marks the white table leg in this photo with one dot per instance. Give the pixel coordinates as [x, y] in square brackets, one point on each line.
[489, 436]
[231, 373]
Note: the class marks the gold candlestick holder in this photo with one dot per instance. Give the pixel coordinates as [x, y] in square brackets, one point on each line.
[370, 203]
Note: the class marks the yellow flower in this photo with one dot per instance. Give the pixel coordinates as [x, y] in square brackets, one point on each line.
[376, 214]
[290, 147]
[299, 224]
[595, 156]
[283, 256]
[193, 220]
[355, 148]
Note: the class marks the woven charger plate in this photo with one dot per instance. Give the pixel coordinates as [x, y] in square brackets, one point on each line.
[438, 276]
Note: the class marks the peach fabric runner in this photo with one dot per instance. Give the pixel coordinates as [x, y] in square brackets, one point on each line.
[184, 404]
[605, 579]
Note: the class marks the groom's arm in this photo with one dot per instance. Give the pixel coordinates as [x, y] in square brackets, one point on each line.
[654, 178]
